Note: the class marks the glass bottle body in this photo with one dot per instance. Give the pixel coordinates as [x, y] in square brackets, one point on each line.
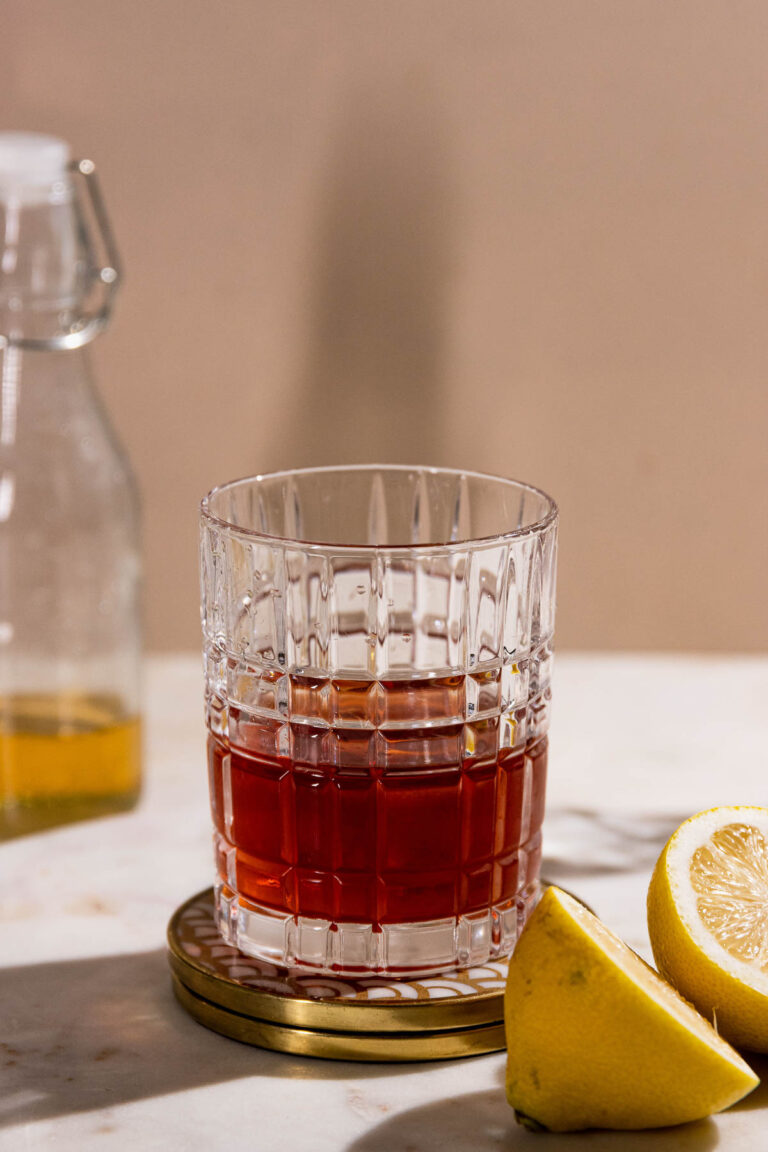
[69, 599]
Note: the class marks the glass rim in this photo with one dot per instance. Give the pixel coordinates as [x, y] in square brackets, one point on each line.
[535, 528]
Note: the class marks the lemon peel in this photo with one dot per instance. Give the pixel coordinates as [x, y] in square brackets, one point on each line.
[596, 1039]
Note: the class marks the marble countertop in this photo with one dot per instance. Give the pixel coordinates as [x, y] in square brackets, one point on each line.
[96, 1054]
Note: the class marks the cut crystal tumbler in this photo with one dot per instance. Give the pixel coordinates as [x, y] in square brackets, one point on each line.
[378, 650]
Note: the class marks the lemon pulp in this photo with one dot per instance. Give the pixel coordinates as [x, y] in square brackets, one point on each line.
[729, 876]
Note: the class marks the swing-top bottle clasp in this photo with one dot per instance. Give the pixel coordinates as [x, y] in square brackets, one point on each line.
[76, 320]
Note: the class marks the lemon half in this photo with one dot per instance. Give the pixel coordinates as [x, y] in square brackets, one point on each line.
[708, 919]
[596, 1039]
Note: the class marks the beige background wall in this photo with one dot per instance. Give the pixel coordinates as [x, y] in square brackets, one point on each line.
[523, 237]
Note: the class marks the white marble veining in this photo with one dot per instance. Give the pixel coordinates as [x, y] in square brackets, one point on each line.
[96, 1054]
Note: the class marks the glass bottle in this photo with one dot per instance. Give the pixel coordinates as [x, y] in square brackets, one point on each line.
[69, 518]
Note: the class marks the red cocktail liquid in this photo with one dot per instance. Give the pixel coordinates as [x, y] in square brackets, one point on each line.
[375, 809]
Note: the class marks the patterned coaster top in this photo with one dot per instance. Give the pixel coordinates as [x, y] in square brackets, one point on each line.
[226, 976]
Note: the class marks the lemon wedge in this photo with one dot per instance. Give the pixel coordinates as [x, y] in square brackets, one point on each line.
[596, 1039]
[708, 919]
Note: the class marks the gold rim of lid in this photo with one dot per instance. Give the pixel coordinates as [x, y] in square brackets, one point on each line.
[229, 980]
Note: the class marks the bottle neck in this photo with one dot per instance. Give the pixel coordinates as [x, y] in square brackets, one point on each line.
[45, 264]
[35, 381]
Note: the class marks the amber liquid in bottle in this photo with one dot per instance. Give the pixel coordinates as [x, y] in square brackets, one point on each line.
[65, 758]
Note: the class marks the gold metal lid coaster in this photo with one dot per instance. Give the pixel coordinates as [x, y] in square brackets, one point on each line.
[374, 1019]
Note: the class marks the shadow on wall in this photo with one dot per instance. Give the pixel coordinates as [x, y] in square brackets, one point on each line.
[372, 387]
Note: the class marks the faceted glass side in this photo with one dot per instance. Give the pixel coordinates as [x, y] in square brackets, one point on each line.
[377, 737]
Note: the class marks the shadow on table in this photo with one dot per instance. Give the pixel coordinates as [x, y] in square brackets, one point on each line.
[86, 1034]
[484, 1122]
[583, 842]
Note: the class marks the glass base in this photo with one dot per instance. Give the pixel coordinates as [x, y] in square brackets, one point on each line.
[426, 948]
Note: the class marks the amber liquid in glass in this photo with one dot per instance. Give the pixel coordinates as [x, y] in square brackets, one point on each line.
[65, 758]
[373, 808]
